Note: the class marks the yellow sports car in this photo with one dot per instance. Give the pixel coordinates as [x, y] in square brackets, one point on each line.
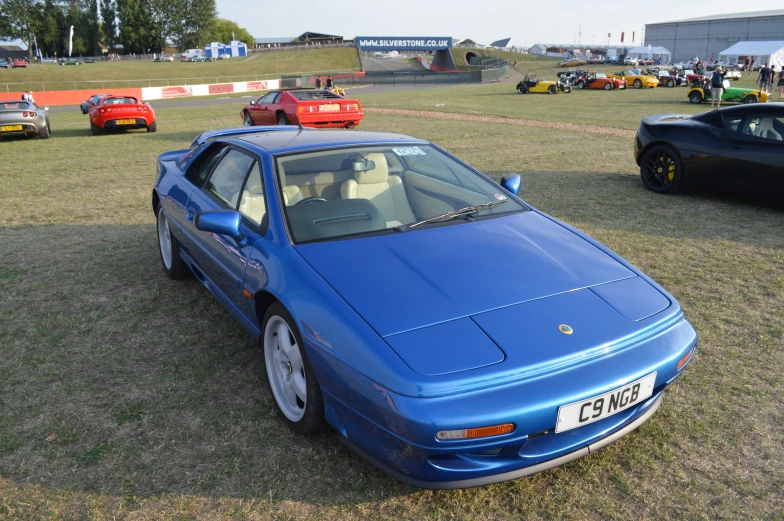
[571, 62]
[636, 78]
[531, 84]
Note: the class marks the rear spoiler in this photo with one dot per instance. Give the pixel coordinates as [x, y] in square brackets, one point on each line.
[211, 135]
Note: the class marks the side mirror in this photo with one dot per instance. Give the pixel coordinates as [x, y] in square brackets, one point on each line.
[46, 109]
[252, 102]
[222, 222]
[511, 182]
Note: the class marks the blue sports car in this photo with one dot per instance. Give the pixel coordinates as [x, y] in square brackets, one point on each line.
[450, 333]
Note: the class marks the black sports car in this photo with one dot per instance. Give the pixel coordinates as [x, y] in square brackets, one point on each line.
[86, 104]
[738, 149]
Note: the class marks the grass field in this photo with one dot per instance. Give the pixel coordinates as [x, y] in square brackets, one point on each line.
[125, 395]
[148, 74]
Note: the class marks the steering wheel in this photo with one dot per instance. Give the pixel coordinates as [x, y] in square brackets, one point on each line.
[308, 200]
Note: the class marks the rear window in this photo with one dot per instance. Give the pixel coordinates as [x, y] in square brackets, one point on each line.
[120, 101]
[314, 94]
[15, 105]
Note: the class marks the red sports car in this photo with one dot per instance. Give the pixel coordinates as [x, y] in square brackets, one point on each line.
[19, 63]
[310, 107]
[600, 81]
[121, 113]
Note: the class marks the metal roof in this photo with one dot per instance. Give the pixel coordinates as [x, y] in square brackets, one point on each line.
[729, 16]
[293, 139]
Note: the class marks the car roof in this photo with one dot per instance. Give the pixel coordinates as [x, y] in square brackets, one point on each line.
[294, 139]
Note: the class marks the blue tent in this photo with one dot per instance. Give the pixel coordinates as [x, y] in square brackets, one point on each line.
[236, 49]
[215, 50]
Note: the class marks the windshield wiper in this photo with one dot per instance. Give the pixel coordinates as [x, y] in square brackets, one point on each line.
[462, 212]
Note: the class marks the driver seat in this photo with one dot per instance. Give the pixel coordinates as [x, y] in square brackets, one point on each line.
[385, 191]
[767, 131]
[292, 194]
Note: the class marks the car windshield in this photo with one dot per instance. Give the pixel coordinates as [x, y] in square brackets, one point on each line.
[15, 105]
[350, 192]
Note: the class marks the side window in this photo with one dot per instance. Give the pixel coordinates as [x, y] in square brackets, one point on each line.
[765, 127]
[274, 98]
[734, 121]
[226, 181]
[252, 205]
[200, 168]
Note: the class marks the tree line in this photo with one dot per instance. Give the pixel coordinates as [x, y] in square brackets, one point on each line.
[140, 26]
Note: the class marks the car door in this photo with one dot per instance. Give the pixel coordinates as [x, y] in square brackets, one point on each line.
[233, 184]
[256, 110]
[265, 110]
[753, 160]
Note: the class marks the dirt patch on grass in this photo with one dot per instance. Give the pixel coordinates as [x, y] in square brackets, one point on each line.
[592, 129]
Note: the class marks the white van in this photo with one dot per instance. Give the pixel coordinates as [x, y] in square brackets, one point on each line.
[190, 54]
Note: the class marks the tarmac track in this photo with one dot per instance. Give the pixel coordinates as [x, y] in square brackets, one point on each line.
[200, 102]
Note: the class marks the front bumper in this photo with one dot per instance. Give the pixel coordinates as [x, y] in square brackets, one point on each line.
[648, 409]
[397, 433]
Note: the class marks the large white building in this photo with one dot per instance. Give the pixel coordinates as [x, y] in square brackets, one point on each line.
[707, 36]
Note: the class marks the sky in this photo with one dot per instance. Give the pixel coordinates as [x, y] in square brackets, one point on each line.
[527, 22]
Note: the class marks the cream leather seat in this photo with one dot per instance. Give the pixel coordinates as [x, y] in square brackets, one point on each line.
[767, 131]
[383, 190]
[252, 203]
[291, 193]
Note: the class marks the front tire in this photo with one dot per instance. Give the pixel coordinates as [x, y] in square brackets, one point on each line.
[695, 98]
[521, 89]
[661, 170]
[552, 89]
[169, 248]
[671, 83]
[283, 120]
[752, 98]
[294, 387]
[580, 84]
[637, 84]
[248, 121]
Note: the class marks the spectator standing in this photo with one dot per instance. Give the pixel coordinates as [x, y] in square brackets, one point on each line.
[771, 77]
[780, 84]
[746, 67]
[753, 61]
[330, 84]
[717, 86]
[26, 96]
[318, 82]
[763, 78]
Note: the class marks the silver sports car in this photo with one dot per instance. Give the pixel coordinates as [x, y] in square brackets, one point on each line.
[23, 118]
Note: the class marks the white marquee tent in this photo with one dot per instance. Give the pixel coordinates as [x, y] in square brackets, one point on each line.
[771, 53]
[650, 52]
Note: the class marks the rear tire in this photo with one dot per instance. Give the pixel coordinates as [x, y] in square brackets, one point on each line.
[581, 84]
[44, 133]
[283, 120]
[637, 84]
[752, 98]
[95, 129]
[153, 127]
[608, 86]
[671, 83]
[169, 248]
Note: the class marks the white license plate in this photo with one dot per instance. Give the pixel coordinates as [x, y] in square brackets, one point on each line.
[329, 108]
[599, 407]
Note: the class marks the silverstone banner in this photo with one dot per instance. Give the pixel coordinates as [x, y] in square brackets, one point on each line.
[403, 43]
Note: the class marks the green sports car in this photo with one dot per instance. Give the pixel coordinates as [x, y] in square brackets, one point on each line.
[698, 94]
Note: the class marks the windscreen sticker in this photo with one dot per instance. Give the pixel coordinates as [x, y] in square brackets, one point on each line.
[500, 197]
[409, 151]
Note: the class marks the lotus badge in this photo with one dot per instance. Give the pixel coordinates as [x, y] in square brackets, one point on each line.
[566, 330]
